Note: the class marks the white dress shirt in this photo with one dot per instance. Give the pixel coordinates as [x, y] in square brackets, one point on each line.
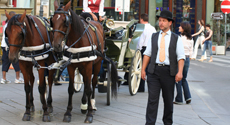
[3, 43]
[87, 9]
[147, 33]
[188, 45]
[179, 48]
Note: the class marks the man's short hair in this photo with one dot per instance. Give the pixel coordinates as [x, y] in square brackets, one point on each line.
[145, 17]
[12, 13]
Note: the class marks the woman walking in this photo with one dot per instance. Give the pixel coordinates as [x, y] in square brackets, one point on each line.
[199, 40]
[185, 29]
[207, 42]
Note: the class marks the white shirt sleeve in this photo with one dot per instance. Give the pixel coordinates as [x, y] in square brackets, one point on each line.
[101, 8]
[3, 43]
[85, 6]
[148, 50]
[141, 40]
[180, 49]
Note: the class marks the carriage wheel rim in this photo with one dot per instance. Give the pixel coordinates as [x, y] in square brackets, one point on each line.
[78, 78]
[136, 72]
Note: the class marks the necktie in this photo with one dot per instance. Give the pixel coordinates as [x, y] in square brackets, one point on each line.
[162, 48]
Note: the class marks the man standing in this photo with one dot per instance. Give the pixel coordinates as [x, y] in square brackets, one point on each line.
[142, 43]
[5, 60]
[165, 56]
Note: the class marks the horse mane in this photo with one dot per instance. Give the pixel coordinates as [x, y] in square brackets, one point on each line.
[76, 24]
[14, 19]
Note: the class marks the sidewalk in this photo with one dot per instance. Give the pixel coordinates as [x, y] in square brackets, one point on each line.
[126, 110]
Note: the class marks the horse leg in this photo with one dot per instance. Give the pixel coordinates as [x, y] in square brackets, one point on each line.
[42, 89]
[49, 99]
[97, 68]
[84, 104]
[27, 89]
[67, 115]
[31, 77]
[87, 74]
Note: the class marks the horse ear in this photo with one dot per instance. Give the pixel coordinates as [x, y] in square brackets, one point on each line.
[7, 15]
[22, 17]
[67, 6]
[55, 5]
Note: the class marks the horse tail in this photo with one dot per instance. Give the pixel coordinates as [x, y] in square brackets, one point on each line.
[114, 78]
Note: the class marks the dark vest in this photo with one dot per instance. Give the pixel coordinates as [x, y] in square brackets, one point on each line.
[172, 53]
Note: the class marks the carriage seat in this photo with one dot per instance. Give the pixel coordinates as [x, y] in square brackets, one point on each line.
[116, 33]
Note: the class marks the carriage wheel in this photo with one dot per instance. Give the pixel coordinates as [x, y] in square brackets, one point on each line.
[108, 83]
[78, 81]
[135, 73]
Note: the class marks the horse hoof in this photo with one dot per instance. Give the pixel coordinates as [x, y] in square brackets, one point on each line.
[46, 118]
[89, 119]
[26, 117]
[67, 118]
[83, 111]
[50, 109]
[32, 109]
[94, 111]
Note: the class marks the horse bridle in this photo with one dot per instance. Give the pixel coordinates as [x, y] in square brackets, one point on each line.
[68, 21]
[24, 35]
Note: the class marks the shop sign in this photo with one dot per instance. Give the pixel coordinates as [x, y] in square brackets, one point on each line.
[217, 16]
[45, 2]
[119, 5]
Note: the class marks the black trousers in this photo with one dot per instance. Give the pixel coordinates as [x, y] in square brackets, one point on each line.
[160, 79]
[85, 15]
[6, 62]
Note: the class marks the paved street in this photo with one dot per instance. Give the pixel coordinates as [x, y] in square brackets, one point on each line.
[209, 85]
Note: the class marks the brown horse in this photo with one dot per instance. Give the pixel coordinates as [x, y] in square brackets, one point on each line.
[84, 49]
[29, 37]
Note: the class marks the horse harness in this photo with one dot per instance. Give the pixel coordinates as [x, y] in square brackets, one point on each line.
[34, 53]
[23, 32]
[74, 55]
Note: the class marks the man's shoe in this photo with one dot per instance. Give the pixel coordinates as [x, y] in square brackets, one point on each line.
[125, 83]
[188, 101]
[141, 91]
[18, 81]
[57, 84]
[178, 103]
[3, 81]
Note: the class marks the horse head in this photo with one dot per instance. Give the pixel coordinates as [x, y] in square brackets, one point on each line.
[61, 25]
[15, 31]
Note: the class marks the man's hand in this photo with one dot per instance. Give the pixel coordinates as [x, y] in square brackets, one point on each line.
[143, 74]
[102, 18]
[178, 77]
[130, 39]
[94, 17]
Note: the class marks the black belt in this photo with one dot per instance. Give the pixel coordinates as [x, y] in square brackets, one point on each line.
[187, 56]
[157, 64]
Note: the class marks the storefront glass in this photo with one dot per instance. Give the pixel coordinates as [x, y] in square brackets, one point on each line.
[110, 10]
[183, 10]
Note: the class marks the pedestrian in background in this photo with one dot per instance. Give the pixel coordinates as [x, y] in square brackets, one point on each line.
[142, 43]
[5, 59]
[185, 29]
[164, 56]
[207, 43]
[199, 40]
